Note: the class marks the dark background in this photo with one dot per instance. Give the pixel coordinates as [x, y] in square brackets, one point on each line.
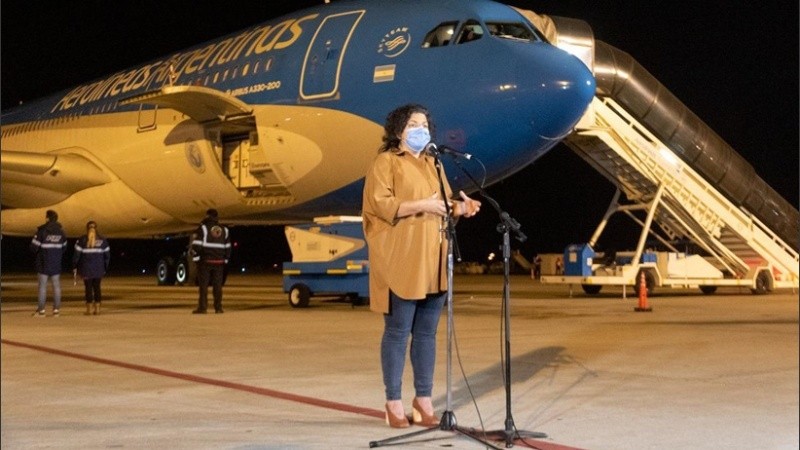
[733, 63]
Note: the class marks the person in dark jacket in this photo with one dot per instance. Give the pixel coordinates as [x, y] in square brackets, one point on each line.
[211, 248]
[90, 261]
[48, 246]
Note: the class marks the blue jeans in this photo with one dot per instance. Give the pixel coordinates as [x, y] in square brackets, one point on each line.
[56, 280]
[420, 319]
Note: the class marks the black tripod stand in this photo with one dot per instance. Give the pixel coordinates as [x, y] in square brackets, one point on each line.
[506, 226]
[448, 421]
[510, 432]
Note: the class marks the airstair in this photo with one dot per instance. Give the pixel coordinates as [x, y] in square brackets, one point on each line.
[677, 179]
[672, 202]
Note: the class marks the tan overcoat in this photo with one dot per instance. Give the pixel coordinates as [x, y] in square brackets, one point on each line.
[407, 255]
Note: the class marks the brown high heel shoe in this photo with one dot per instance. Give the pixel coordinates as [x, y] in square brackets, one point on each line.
[396, 421]
[421, 418]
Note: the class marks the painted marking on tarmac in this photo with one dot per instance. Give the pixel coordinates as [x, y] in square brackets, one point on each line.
[198, 379]
[529, 443]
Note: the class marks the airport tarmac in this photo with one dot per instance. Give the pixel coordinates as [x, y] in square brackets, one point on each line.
[698, 372]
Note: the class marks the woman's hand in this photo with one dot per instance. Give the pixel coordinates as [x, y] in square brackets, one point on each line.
[467, 207]
[431, 205]
[434, 205]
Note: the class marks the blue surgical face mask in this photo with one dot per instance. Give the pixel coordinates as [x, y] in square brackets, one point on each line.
[417, 138]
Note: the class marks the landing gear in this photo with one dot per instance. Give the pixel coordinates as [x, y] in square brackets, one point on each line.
[182, 272]
[165, 271]
[185, 271]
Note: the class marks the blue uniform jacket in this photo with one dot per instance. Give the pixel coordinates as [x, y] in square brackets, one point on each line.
[92, 262]
[48, 248]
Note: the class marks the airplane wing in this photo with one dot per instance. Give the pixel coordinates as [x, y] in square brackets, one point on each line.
[200, 103]
[35, 180]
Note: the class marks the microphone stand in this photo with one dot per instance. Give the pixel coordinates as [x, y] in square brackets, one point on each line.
[448, 421]
[507, 224]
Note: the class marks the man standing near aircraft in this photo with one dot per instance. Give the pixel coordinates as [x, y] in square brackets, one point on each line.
[211, 246]
[48, 248]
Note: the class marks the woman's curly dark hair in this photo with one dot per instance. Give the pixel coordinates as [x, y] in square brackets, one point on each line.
[396, 122]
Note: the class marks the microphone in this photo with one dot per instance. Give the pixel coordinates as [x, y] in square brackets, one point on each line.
[442, 149]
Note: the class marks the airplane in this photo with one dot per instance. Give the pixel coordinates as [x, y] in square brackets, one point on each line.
[277, 123]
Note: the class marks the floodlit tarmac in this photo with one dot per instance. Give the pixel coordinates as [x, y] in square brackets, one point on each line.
[698, 372]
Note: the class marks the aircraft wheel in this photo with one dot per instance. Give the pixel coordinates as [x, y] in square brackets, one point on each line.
[762, 283]
[165, 271]
[591, 289]
[185, 271]
[708, 290]
[299, 296]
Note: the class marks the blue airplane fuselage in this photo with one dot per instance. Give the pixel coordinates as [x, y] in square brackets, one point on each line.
[309, 92]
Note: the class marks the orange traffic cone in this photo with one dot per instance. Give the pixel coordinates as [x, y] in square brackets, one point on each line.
[643, 306]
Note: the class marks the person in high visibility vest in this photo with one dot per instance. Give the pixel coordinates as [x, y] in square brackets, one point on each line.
[211, 248]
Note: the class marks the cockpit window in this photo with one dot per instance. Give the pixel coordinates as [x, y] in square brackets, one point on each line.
[514, 31]
[471, 31]
[440, 36]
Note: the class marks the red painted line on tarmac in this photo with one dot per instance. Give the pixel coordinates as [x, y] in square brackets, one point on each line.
[379, 414]
[197, 379]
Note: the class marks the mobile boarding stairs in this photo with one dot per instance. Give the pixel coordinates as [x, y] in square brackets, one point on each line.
[662, 158]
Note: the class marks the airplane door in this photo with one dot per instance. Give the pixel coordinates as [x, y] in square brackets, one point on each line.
[236, 164]
[323, 62]
[147, 112]
[147, 117]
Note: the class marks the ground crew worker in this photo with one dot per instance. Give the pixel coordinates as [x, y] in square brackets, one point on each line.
[211, 247]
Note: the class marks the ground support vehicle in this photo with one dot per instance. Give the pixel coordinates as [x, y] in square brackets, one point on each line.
[329, 257]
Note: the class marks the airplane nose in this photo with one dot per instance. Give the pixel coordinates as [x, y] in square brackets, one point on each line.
[560, 95]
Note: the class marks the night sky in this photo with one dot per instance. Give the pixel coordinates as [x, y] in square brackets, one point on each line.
[733, 63]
